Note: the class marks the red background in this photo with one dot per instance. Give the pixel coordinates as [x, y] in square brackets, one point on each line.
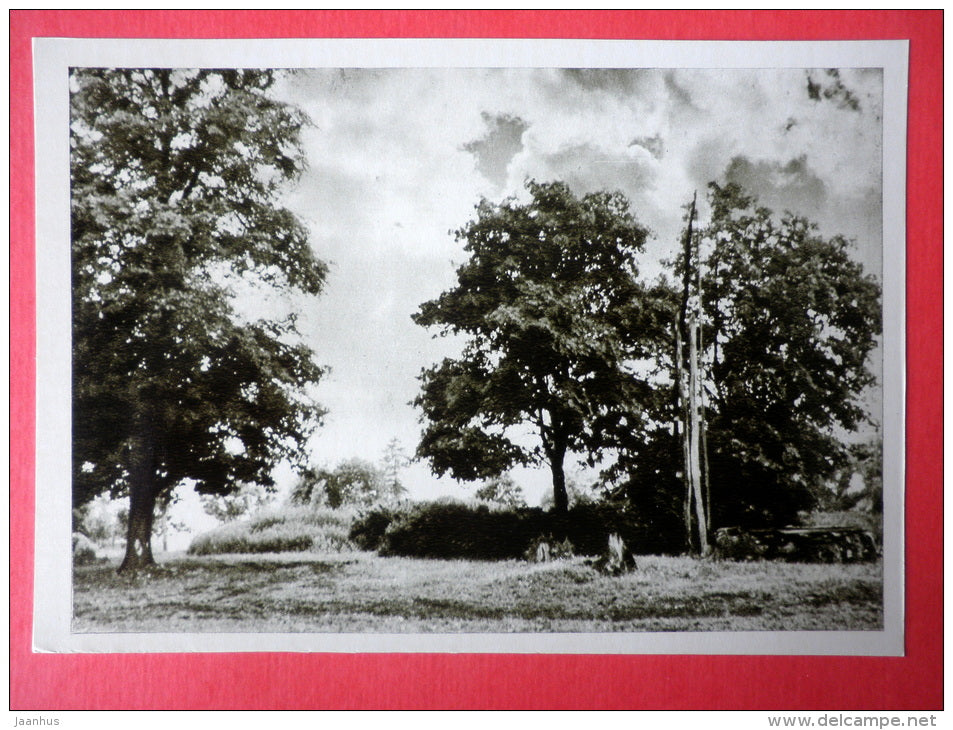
[321, 681]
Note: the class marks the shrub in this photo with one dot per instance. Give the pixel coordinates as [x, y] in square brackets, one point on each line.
[288, 530]
[448, 529]
[454, 530]
[367, 532]
[589, 524]
[544, 549]
[84, 553]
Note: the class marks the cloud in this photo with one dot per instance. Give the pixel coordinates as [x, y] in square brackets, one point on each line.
[654, 145]
[795, 186]
[502, 141]
[619, 81]
[790, 185]
[679, 94]
[587, 168]
[400, 157]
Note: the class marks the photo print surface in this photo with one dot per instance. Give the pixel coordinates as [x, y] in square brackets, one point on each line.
[523, 357]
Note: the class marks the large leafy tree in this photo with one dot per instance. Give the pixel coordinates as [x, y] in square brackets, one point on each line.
[794, 320]
[245, 500]
[554, 319]
[790, 320]
[175, 176]
[352, 482]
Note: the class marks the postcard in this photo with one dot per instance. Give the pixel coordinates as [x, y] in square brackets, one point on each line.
[495, 346]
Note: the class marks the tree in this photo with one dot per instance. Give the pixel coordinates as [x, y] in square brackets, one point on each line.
[689, 386]
[352, 482]
[869, 466]
[579, 489]
[393, 461]
[501, 490]
[789, 322]
[554, 317]
[175, 176]
[97, 520]
[248, 498]
[858, 484]
[163, 525]
[793, 323]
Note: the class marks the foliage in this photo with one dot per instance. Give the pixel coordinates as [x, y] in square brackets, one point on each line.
[579, 490]
[393, 461]
[826, 545]
[455, 530]
[286, 530]
[368, 530]
[790, 321]
[544, 548]
[553, 314]
[84, 551]
[502, 491]
[248, 499]
[832, 89]
[794, 320]
[351, 482]
[99, 520]
[175, 176]
[864, 465]
[589, 524]
[162, 524]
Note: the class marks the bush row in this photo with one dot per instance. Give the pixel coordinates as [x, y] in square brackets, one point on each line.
[454, 530]
[286, 530]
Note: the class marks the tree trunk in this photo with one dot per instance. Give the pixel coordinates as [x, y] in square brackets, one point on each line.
[703, 427]
[682, 419]
[142, 501]
[695, 441]
[556, 452]
[684, 383]
[560, 495]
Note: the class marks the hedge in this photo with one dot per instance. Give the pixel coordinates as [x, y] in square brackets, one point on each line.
[456, 530]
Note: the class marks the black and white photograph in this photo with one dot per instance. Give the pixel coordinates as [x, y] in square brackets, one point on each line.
[477, 354]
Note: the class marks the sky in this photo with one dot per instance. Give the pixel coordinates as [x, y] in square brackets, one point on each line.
[399, 158]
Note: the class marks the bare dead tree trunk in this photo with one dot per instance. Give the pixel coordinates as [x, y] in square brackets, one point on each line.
[687, 383]
[683, 420]
[703, 415]
[694, 440]
[703, 426]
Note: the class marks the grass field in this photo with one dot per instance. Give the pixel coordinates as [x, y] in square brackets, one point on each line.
[361, 592]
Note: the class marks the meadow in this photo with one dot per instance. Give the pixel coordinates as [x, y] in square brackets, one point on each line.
[356, 591]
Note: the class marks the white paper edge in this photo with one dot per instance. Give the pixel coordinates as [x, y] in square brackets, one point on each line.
[52, 576]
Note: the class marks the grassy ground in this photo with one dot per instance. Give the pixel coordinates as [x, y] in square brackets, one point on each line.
[361, 592]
